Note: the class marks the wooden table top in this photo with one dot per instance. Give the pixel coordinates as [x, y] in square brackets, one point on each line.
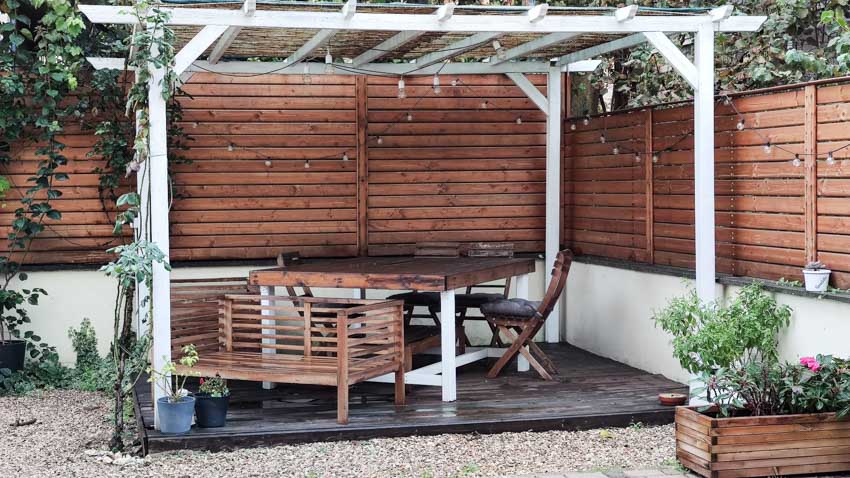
[394, 273]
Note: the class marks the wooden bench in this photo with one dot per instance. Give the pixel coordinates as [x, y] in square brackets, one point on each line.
[298, 340]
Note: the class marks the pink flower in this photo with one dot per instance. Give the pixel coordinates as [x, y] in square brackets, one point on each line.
[810, 362]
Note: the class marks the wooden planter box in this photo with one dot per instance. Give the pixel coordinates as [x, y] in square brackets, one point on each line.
[762, 446]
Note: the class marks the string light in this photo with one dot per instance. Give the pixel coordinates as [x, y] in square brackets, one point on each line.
[830, 159]
[409, 116]
[345, 156]
[655, 158]
[740, 125]
[518, 120]
[329, 62]
[380, 140]
[637, 157]
[768, 148]
[586, 120]
[230, 147]
[616, 150]
[602, 138]
[500, 52]
[454, 81]
[484, 104]
[306, 69]
[268, 163]
[195, 124]
[572, 126]
[401, 91]
[306, 164]
[437, 88]
[796, 161]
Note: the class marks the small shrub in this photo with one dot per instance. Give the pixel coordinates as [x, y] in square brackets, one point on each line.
[214, 387]
[84, 342]
[93, 373]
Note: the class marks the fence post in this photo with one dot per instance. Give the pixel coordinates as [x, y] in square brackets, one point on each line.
[649, 207]
[362, 119]
[811, 173]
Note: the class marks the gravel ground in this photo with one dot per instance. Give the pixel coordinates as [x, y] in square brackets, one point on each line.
[72, 427]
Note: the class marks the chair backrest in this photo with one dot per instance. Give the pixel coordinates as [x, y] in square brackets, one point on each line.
[310, 326]
[194, 310]
[560, 270]
[490, 249]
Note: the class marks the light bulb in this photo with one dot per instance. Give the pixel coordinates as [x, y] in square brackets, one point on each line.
[519, 121]
[796, 161]
[380, 140]
[497, 45]
[602, 138]
[306, 164]
[345, 156]
[572, 126]
[501, 54]
[585, 121]
[268, 164]
[454, 81]
[409, 117]
[616, 150]
[230, 147]
[484, 105]
[437, 88]
[195, 124]
[655, 158]
[401, 92]
[830, 160]
[329, 63]
[740, 125]
[637, 157]
[768, 148]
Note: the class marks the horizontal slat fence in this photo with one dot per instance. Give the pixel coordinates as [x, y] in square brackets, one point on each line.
[772, 215]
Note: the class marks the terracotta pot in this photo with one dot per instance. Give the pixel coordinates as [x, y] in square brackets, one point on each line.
[672, 399]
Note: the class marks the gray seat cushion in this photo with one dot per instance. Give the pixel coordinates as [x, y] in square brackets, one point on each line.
[476, 300]
[426, 299]
[516, 308]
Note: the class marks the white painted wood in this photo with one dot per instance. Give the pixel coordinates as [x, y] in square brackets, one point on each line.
[721, 13]
[100, 63]
[445, 11]
[258, 68]
[583, 66]
[249, 8]
[349, 9]
[196, 46]
[553, 192]
[538, 12]
[530, 47]
[704, 164]
[677, 59]
[624, 14]
[313, 44]
[531, 91]
[426, 22]
[447, 345]
[411, 378]
[386, 46]
[522, 293]
[455, 49]
[158, 164]
[267, 291]
[224, 43]
[619, 44]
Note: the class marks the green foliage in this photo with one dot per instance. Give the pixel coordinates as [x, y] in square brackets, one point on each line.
[707, 337]
[174, 390]
[214, 387]
[45, 373]
[84, 342]
[92, 372]
[817, 384]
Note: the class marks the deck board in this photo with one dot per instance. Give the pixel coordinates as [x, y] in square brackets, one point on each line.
[590, 391]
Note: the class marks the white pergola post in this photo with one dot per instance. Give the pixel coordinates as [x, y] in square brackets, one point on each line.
[553, 191]
[158, 214]
[704, 162]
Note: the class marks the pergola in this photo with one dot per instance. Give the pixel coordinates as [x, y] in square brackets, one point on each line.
[413, 40]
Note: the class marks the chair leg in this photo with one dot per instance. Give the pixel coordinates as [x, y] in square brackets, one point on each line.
[399, 386]
[496, 339]
[342, 402]
[508, 355]
[544, 359]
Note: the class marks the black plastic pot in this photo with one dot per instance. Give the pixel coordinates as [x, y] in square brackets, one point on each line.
[12, 354]
[211, 412]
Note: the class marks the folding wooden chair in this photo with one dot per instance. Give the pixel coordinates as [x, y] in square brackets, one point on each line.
[519, 320]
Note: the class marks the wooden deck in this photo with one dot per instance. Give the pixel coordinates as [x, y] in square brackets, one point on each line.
[590, 391]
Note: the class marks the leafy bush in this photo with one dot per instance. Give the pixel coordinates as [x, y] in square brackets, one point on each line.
[84, 341]
[214, 387]
[42, 374]
[93, 373]
[816, 384]
[707, 337]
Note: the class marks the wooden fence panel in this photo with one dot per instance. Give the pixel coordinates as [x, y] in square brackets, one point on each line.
[468, 164]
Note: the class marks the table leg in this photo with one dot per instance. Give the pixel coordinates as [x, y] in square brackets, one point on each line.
[266, 290]
[522, 293]
[447, 334]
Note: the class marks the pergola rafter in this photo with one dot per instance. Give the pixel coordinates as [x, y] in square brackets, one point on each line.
[542, 40]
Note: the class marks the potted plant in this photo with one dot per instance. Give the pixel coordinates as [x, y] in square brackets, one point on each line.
[177, 407]
[816, 277]
[12, 316]
[769, 419]
[211, 402]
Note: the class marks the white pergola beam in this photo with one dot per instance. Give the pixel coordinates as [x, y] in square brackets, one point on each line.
[385, 47]
[721, 13]
[455, 49]
[583, 66]
[704, 164]
[224, 43]
[602, 49]
[553, 193]
[674, 56]
[531, 91]
[427, 22]
[313, 44]
[445, 11]
[534, 45]
[196, 46]
[538, 12]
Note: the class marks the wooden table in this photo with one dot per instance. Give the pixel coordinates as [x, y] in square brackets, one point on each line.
[437, 274]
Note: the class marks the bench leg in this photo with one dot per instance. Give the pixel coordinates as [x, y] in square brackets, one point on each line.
[342, 403]
[399, 386]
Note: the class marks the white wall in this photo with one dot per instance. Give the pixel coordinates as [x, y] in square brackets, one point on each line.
[74, 295]
[609, 312]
